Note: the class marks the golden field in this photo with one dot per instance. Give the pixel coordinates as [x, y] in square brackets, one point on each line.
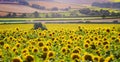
[57, 26]
[60, 43]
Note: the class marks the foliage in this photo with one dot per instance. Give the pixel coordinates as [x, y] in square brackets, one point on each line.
[39, 26]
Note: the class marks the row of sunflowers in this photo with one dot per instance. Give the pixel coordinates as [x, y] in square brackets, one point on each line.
[81, 45]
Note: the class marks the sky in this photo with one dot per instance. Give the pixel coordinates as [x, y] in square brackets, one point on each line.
[86, 1]
[81, 1]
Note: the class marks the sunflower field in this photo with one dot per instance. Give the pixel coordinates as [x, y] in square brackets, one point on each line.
[61, 45]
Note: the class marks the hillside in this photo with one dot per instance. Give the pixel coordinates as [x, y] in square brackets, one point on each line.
[17, 8]
[27, 9]
[56, 4]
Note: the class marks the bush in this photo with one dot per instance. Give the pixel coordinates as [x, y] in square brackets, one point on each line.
[39, 25]
[115, 21]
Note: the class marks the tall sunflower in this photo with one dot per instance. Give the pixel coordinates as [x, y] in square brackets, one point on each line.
[17, 59]
[29, 58]
[75, 56]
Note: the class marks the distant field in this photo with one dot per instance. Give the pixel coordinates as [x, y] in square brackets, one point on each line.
[56, 4]
[57, 26]
[21, 9]
[16, 8]
[29, 19]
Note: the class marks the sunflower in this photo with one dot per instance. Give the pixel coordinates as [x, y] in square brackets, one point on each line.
[33, 42]
[76, 51]
[86, 45]
[17, 29]
[109, 59]
[45, 49]
[87, 41]
[14, 49]
[51, 35]
[106, 47]
[49, 43]
[17, 59]
[69, 46]
[80, 37]
[99, 43]
[69, 42]
[96, 38]
[29, 58]
[40, 44]
[96, 58]
[44, 56]
[25, 50]
[117, 40]
[2, 43]
[98, 52]
[64, 50]
[50, 54]
[75, 56]
[35, 50]
[88, 57]
[6, 46]
[18, 45]
[105, 39]
[108, 30]
[113, 38]
[46, 60]
[101, 59]
[105, 42]
[61, 60]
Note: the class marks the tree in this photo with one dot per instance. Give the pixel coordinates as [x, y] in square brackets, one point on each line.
[8, 15]
[54, 9]
[39, 25]
[14, 15]
[23, 2]
[36, 14]
[23, 15]
[85, 11]
[104, 13]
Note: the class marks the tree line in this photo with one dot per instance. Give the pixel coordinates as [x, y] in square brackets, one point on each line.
[107, 4]
[100, 13]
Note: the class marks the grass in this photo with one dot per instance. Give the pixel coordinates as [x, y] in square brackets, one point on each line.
[47, 19]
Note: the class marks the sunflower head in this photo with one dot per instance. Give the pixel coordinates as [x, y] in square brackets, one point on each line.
[76, 51]
[88, 57]
[96, 58]
[25, 50]
[106, 47]
[64, 50]
[6, 46]
[17, 59]
[75, 56]
[18, 45]
[61, 60]
[101, 59]
[14, 49]
[86, 45]
[109, 59]
[29, 58]
[35, 50]
[50, 54]
[45, 49]
[40, 44]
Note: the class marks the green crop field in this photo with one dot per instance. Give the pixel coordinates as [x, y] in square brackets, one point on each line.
[29, 19]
